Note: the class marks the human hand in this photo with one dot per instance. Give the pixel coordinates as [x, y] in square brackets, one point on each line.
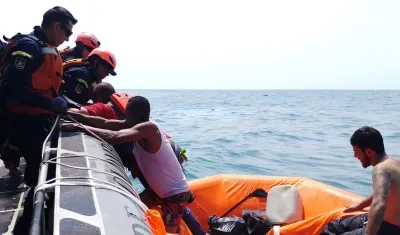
[70, 127]
[59, 105]
[352, 208]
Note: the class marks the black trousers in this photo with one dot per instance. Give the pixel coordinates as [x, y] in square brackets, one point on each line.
[357, 225]
[28, 133]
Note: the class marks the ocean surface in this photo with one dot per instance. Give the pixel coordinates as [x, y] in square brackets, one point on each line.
[276, 132]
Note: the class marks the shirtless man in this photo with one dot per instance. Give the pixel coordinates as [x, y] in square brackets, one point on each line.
[384, 212]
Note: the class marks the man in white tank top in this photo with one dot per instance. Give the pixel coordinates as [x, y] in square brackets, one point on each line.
[154, 156]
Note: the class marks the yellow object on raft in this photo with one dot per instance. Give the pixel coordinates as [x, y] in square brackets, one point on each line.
[320, 203]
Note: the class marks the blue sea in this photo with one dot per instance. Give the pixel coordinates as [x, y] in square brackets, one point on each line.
[276, 132]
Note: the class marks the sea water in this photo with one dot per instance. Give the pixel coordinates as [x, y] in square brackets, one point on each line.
[276, 132]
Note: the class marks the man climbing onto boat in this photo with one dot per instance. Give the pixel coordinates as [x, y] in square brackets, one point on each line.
[154, 156]
[31, 78]
[102, 111]
[383, 217]
[109, 104]
[85, 43]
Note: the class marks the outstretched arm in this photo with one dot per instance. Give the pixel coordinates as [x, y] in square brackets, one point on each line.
[98, 122]
[82, 110]
[135, 133]
[381, 185]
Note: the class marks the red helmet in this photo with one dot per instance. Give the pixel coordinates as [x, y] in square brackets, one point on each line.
[107, 56]
[88, 39]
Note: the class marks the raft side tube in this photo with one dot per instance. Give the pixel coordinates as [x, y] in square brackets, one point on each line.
[321, 203]
[90, 194]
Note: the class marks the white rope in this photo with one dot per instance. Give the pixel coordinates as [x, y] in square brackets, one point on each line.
[104, 184]
[89, 131]
[91, 169]
[48, 182]
[48, 136]
[90, 184]
[87, 155]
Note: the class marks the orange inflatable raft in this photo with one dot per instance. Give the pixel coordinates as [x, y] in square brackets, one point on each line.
[309, 204]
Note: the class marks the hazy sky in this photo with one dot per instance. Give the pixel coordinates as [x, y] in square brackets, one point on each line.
[228, 44]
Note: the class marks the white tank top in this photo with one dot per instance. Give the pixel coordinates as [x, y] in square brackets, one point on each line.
[161, 169]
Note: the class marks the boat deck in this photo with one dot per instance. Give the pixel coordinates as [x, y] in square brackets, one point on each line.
[12, 195]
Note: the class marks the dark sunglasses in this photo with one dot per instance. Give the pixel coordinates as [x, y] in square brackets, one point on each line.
[67, 31]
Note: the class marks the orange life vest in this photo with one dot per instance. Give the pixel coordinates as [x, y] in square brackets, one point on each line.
[119, 102]
[74, 63]
[65, 51]
[46, 80]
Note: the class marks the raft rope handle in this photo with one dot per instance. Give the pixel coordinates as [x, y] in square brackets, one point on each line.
[90, 184]
[94, 135]
[88, 155]
[88, 169]
[77, 183]
[45, 185]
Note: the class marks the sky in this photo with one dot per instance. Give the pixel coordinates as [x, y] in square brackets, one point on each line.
[230, 44]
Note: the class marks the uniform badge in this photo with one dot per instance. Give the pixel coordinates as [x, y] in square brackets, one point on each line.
[19, 63]
[83, 82]
[78, 88]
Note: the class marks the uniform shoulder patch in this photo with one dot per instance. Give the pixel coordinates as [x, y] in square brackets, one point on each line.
[83, 82]
[21, 54]
[78, 88]
[20, 63]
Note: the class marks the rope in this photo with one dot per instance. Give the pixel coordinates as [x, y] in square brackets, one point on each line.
[50, 133]
[105, 185]
[89, 169]
[90, 184]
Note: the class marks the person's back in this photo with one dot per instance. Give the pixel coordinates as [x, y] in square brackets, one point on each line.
[160, 167]
[392, 167]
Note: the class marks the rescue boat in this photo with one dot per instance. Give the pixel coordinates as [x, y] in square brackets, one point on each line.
[294, 205]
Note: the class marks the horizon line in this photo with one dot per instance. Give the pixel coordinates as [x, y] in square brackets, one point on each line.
[267, 89]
